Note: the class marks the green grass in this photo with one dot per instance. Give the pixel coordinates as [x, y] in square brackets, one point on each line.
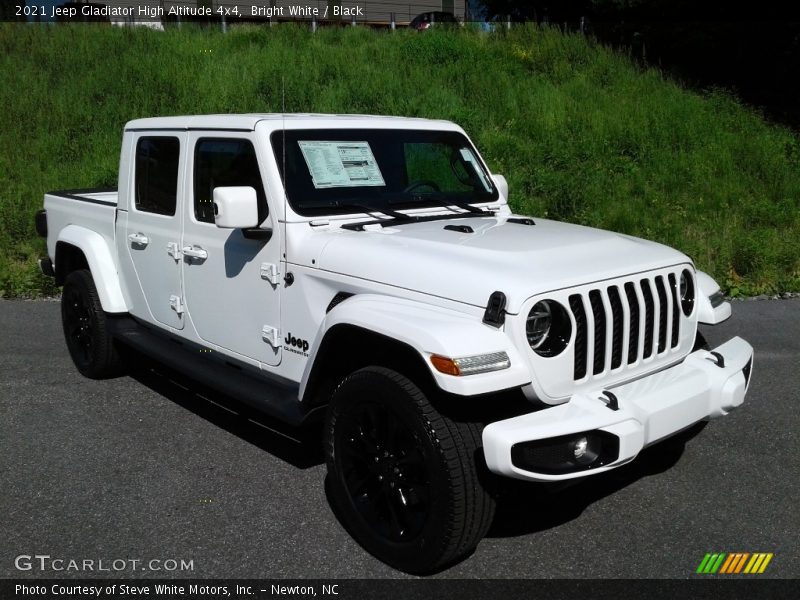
[581, 133]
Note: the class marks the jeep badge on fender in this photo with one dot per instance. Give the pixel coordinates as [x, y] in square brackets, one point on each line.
[297, 343]
[452, 341]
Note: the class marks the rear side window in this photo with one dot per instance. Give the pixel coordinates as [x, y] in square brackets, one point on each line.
[224, 163]
[157, 174]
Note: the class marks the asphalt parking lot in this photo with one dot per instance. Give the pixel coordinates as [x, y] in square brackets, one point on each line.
[145, 468]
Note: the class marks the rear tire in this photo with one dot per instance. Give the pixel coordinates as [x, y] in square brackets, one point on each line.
[86, 331]
[404, 478]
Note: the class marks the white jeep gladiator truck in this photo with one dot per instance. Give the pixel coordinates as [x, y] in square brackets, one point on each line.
[369, 269]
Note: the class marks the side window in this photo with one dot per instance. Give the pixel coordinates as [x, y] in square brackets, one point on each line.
[223, 163]
[157, 174]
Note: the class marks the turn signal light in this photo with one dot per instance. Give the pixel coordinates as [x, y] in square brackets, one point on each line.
[471, 365]
[445, 365]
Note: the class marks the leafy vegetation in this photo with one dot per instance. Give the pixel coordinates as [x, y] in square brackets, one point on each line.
[581, 133]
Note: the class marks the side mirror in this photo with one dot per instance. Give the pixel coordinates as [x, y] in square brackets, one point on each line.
[235, 207]
[501, 184]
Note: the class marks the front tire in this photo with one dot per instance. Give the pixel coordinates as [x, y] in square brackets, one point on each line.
[404, 478]
[86, 331]
[700, 342]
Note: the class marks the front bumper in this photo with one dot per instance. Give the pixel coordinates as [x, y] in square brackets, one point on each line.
[635, 415]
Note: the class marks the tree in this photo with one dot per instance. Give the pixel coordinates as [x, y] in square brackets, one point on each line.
[8, 11]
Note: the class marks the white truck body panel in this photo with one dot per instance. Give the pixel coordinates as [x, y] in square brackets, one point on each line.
[86, 221]
[650, 410]
[431, 330]
[266, 300]
[500, 255]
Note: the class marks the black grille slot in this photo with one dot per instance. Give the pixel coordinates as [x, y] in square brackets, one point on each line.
[576, 305]
[616, 326]
[633, 331]
[601, 331]
[662, 314]
[649, 318]
[676, 307]
[599, 315]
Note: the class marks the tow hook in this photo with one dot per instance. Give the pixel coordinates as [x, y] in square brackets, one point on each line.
[717, 359]
[610, 400]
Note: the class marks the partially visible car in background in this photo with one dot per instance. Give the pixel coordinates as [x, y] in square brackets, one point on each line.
[429, 19]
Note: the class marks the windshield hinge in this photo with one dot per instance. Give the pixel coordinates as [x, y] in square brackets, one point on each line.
[174, 250]
[271, 335]
[176, 304]
[269, 271]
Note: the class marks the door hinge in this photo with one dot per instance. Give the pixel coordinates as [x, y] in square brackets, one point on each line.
[176, 303]
[174, 250]
[271, 335]
[269, 271]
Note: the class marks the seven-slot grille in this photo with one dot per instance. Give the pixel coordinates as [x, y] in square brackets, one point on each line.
[622, 324]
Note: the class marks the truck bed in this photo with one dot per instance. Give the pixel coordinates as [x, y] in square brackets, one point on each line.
[107, 196]
[93, 209]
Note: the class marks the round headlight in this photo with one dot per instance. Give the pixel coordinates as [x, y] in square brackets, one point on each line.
[548, 328]
[538, 326]
[686, 290]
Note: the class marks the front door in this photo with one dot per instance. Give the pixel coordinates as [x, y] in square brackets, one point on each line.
[154, 225]
[231, 283]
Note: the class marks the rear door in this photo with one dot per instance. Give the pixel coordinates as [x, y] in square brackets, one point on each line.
[154, 223]
[231, 283]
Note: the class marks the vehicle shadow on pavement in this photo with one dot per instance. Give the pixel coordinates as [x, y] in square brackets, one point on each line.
[524, 508]
[299, 446]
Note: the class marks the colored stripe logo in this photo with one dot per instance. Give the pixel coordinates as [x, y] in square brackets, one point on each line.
[734, 563]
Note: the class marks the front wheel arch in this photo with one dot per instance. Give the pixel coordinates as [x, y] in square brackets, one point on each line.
[348, 348]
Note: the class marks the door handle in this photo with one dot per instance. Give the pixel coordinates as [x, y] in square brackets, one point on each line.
[195, 252]
[139, 239]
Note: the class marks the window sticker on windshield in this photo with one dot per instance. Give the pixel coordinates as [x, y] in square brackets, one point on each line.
[341, 164]
[469, 157]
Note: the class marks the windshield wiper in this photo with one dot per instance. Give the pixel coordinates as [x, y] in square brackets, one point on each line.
[465, 205]
[370, 209]
[447, 203]
[398, 218]
[363, 207]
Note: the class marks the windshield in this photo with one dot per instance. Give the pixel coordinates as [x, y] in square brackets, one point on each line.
[337, 171]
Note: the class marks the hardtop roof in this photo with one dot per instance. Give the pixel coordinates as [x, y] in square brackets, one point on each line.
[248, 122]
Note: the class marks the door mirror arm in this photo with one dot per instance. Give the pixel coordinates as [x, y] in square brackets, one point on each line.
[256, 233]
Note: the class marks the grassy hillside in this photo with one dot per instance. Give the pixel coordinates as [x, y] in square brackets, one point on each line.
[581, 133]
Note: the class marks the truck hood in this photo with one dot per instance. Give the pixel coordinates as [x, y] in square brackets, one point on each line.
[518, 259]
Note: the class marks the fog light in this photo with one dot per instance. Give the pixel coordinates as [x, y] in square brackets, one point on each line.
[566, 453]
[585, 454]
[579, 448]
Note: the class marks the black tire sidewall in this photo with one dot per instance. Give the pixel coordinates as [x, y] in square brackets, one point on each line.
[103, 361]
[372, 386]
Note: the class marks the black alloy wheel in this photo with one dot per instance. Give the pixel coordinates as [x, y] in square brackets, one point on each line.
[77, 311]
[406, 481]
[86, 331]
[384, 472]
